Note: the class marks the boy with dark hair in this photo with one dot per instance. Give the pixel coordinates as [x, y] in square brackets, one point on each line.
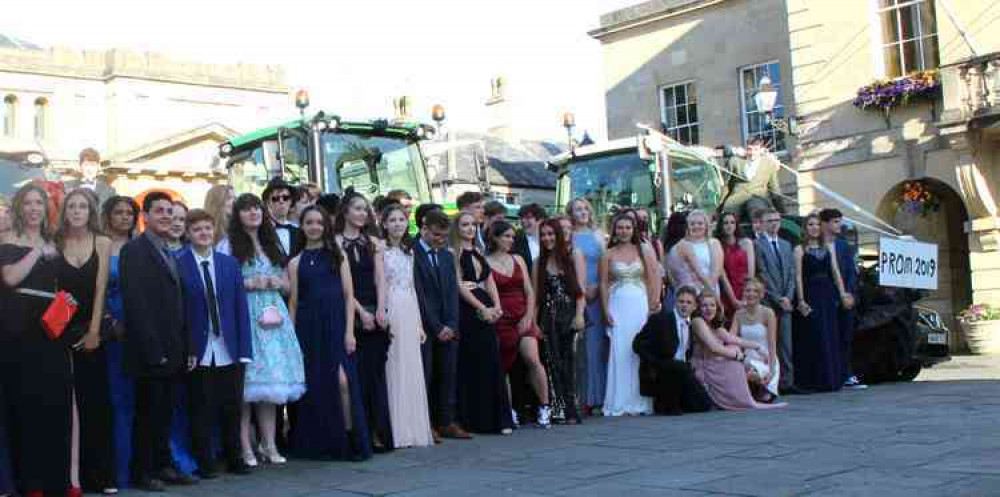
[280, 198]
[832, 221]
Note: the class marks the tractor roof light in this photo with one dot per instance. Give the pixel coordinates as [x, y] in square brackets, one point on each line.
[226, 149]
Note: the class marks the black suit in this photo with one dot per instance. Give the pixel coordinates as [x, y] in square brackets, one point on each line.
[156, 344]
[670, 382]
[437, 288]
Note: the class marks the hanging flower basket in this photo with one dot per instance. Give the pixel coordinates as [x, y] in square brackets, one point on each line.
[887, 94]
[916, 199]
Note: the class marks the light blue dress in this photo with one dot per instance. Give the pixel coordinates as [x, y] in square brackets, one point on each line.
[593, 354]
[277, 374]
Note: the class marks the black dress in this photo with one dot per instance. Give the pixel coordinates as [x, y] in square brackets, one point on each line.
[40, 387]
[556, 317]
[816, 338]
[6, 376]
[483, 406]
[373, 346]
[91, 388]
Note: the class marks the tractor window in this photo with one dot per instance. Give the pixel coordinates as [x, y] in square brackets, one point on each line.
[374, 165]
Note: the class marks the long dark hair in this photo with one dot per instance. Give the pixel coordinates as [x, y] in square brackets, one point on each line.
[406, 242]
[722, 236]
[563, 257]
[675, 231]
[496, 229]
[93, 217]
[636, 236]
[109, 207]
[368, 231]
[329, 244]
[240, 241]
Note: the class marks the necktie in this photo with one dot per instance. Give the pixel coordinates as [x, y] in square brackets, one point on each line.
[213, 305]
[777, 253]
[434, 258]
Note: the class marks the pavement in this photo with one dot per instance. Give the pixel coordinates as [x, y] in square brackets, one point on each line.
[936, 436]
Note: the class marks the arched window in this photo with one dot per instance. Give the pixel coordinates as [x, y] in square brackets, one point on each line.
[9, 114]
[41, 118]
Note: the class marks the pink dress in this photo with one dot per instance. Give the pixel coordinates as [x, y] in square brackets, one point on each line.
[725, 380]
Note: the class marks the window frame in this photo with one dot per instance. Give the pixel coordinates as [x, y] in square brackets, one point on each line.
[779, 106]
[881, 44]
[660, 90]
[42, 107]
[8, 115]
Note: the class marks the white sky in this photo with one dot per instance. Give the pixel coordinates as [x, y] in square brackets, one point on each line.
[354, 57]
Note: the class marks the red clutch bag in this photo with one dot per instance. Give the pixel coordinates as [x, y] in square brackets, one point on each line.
[57, 317]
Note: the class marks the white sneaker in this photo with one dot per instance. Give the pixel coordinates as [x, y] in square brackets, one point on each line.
[513, 415]
[854, 384]
[545, 417]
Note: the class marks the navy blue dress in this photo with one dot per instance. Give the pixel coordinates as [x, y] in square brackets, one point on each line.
[319, 430]
[121, 386]
[483, 405]
[816, 338]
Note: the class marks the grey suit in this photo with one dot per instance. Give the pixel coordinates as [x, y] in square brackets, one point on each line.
[778, 273]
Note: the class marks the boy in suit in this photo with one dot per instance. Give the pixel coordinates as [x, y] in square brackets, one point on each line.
[156, 343]
[776, 267]
[219, 326]
[664, 349]
[436, 283]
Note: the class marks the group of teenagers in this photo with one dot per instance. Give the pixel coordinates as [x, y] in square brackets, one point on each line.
[318, 326]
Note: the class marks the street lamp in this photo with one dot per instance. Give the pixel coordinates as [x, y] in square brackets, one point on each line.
[569, 122]
[766, 98]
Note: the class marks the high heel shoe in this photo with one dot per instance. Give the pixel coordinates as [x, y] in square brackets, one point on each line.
[270, 455]
[250, 459]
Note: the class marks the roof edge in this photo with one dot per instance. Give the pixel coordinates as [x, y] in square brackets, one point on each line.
[645, 13]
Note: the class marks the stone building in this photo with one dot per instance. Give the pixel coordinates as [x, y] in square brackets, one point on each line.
[157, 121]
[824, 52]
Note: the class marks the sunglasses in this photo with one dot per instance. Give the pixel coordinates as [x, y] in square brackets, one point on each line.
[281, 198]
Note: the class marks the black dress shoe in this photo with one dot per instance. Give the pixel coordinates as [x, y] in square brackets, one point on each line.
[794, 390]
[206, 474]
[239, 468]
[171, 476]
[150, 485]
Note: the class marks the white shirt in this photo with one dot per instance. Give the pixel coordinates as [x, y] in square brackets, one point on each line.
[683, 337]
[216, 353]
[533, 247]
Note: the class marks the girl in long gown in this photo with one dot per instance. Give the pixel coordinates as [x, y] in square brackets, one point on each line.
[757, 323]
[120, 217]
[6, 469]
[276, 375]
[40, 384]
[330, 419]
[700, 256]
[516, 327]
[815, 334]
[355, 230]
[483, 405]
[629, 277]
[719, 359]
[738, 262]
[592, 352]
[404, 371]
[558, 281]
[83, 272]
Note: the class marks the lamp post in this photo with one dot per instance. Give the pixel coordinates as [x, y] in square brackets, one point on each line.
[766, 98]
[569, 122]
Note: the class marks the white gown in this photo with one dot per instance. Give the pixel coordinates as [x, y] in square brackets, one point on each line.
[757, 333]
[629, 307]
[404, 369]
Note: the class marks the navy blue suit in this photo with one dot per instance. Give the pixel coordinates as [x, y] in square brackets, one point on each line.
[216, 391]
[846, 318]
[437, 288]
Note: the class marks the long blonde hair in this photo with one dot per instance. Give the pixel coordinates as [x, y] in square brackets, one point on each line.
[215, 204]
[591, 223]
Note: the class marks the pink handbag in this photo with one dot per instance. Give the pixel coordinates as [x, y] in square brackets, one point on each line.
[270, 318]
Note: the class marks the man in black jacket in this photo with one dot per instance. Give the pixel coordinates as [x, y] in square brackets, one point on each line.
[664, 349]
[156, 343]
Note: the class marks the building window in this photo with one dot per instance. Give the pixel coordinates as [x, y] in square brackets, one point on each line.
[909, 36]
[679, 112]
[507, 197]
[757, 127]
[9, 113]
[41, 117]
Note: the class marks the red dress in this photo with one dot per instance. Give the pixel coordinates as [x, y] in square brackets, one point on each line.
[514, 304]
[736, 264]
